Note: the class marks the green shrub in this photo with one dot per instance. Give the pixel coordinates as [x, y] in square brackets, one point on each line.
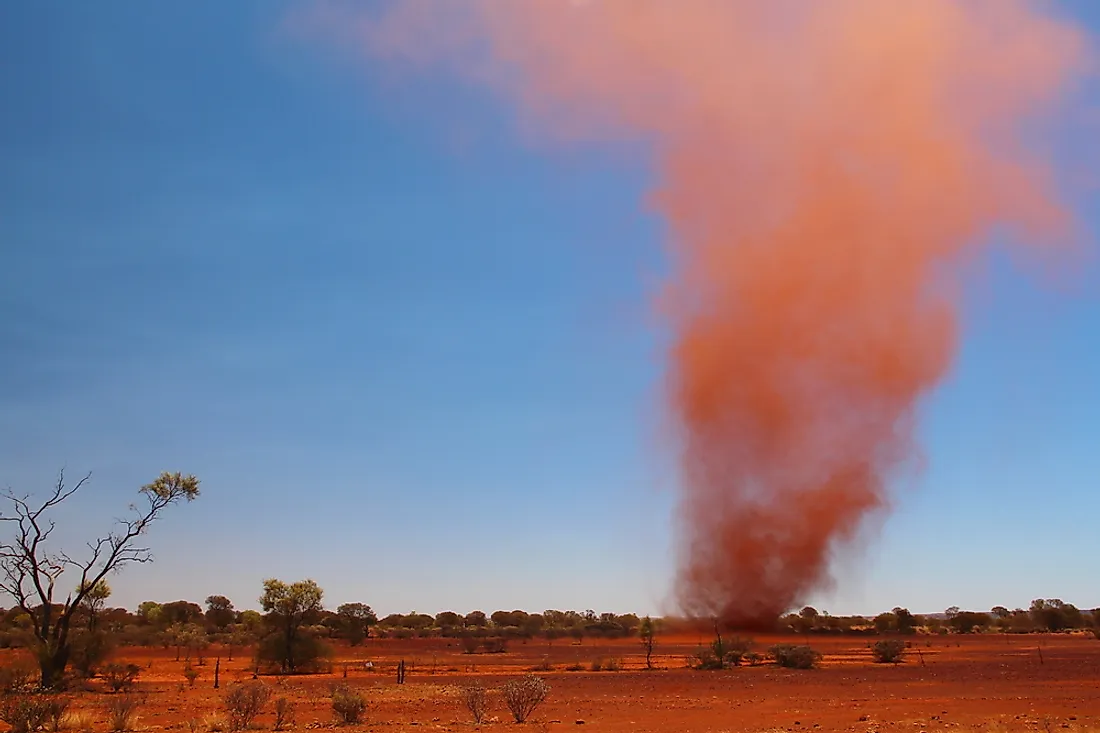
[348, 705]
[735, 650]
[722, 654]
[308, 654]
[119, 676]
[89, 650]
[888, 651]
[794, 656]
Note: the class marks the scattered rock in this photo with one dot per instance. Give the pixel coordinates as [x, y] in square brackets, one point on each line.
[578, 722]
[864, 718]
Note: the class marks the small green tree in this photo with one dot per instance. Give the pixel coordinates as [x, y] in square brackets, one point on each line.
[291, 607]
[648, 634]
[219, 612]
[95, 598]
[354, 621]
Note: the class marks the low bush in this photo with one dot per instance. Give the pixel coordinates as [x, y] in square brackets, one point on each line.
[25, 712]
[794, 656]
[496, 645]
[524, 695]
[470, 644]
[309, 654]
[888, 651]
[89, 650]
[348, 705]
[245, 701]
[17, 677]
[476, 698]
[284, 713]
[722, 654]
[119, 676]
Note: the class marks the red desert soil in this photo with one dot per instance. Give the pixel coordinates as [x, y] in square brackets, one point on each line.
[987, 682]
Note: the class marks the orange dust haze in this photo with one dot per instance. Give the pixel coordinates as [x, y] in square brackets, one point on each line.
[825, 169]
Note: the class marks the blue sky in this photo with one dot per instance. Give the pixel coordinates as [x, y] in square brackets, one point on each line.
[410, 356]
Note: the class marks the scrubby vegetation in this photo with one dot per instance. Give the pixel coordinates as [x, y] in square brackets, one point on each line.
[476, 699]
[523, 696]
[348, 704]
[794, 656]
[244, 702]
[888, 651]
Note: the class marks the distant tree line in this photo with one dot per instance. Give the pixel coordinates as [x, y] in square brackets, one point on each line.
[1044, 615]
[293, 630]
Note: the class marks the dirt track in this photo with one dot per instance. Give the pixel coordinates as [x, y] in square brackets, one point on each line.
[964, 682]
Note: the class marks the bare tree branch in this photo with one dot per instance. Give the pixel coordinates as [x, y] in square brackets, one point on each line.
[29, 572]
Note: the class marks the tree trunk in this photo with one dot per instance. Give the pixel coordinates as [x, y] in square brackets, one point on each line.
[288, 663]
[52, 665]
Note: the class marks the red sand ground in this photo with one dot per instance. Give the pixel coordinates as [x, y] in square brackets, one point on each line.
[986, 682]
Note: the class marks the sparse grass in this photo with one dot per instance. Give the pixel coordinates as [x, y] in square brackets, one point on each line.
[122, 711]
[25, 712]
[476, 698]
[605, 665]
[575, 667]
[215, 723]
[78, 720]
[543, 666]
[56, 708]
[524, 695]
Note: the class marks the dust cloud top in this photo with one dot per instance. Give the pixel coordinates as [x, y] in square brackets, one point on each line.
[824, 168]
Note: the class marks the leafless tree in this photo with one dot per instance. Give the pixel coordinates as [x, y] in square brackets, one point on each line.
[30, 570]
